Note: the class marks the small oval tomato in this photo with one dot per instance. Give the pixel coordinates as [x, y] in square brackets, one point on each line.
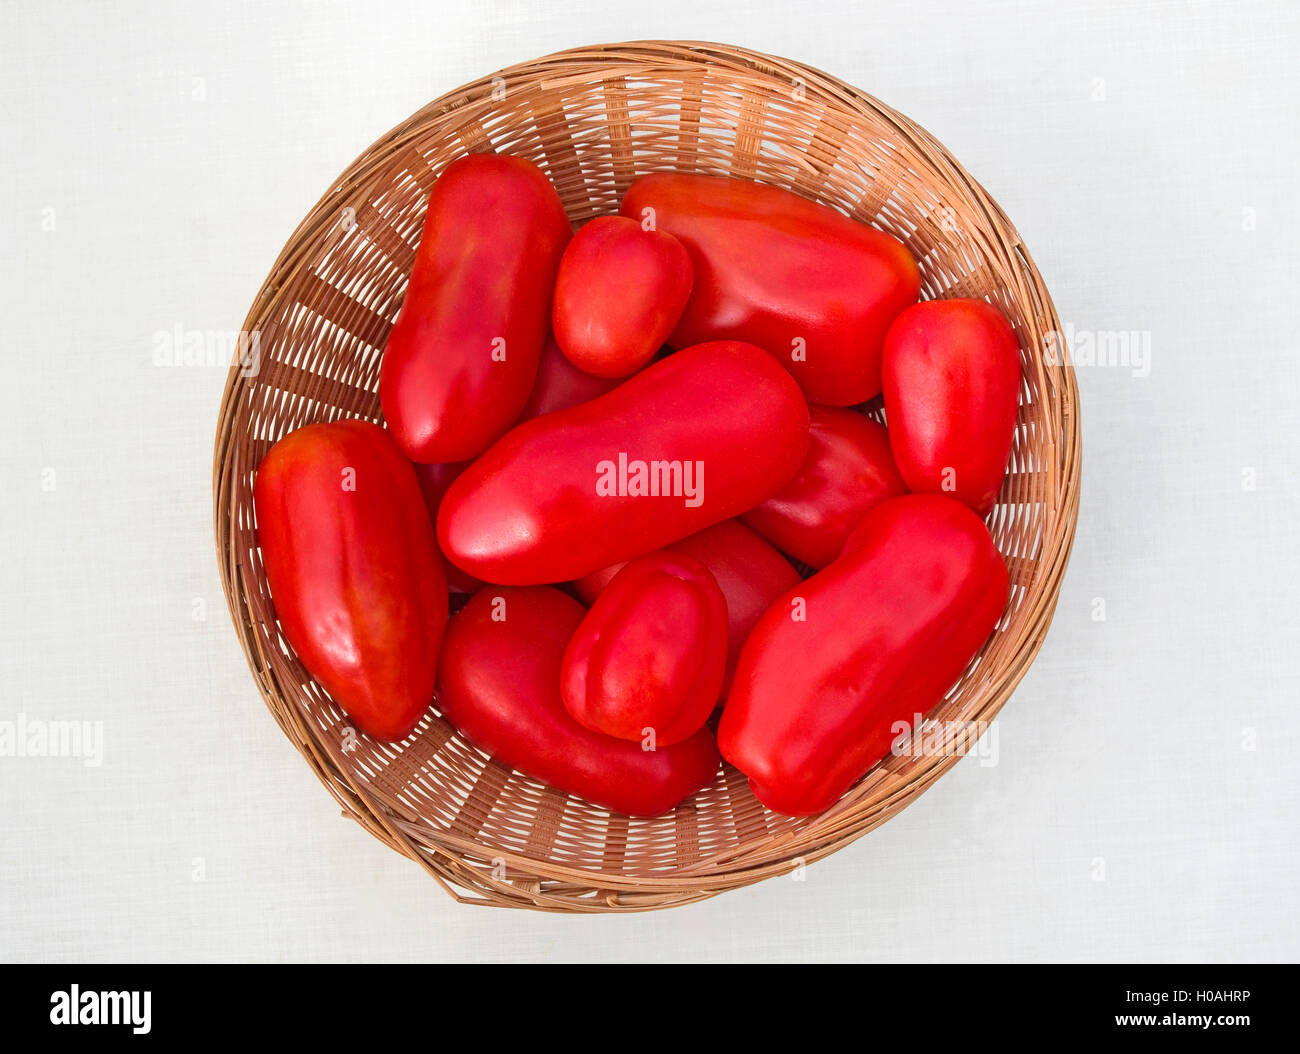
[354, 572]
[952, 390]
[648, 657]
[460, 360]
[837, 667]
[750, 573]
[692, 440]
[804, 282]
[849, 470]
[619, 293]
[499, 684]
[560, 384]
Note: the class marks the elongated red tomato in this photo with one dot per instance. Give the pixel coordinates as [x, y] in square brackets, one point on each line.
[834, 666]
[620, 291]
[648, 658]
[804, 282]
[848, 470]
[354, 571]
[750, 573]
[499, 683]
[692, 440]
[461, 359]
[952, 390]
[434, 481]
[560, 384]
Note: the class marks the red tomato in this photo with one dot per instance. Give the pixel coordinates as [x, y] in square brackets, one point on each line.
[562, 495]
[499, 683]
[848, 470]
[806, 283]
[434, 481]
[460, 361]
[835, 666]
[952, 390]
[648, 657]
[560, 384]
[750, 573]
[353, 568]
[620, 292]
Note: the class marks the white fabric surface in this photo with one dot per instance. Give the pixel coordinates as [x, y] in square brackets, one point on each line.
[156, 156]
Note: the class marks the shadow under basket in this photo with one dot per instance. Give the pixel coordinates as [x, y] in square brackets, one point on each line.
[594, 119]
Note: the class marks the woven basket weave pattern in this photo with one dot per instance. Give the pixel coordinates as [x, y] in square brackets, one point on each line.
[594, 119]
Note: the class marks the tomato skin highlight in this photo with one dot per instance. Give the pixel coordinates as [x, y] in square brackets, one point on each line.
[557, 497]
[750, 573]
[560, 384]
[888, 628]
[952, 392]
[499, 684]
[848, 471]
[461, 359]
[651, 652]
[355, 575]
[783, 272]
[619, 293]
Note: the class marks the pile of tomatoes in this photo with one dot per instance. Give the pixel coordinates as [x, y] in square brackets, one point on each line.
[633, 448]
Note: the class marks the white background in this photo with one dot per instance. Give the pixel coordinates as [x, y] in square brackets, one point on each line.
[157, 156]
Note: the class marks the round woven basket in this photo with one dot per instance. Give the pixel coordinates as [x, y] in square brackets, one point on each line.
[595, 118]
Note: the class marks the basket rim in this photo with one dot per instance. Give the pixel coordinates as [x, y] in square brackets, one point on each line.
[856, 814]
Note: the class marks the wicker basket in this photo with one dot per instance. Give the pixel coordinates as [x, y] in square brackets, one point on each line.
[594, 118]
